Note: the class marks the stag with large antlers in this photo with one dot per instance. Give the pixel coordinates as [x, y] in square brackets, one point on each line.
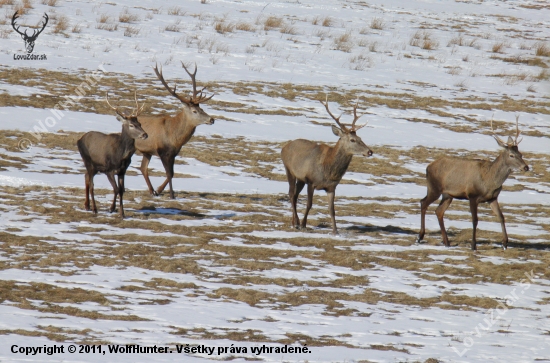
[167, 134]
[110, 154]
[320, 166]
[29, 39]
[478, 181]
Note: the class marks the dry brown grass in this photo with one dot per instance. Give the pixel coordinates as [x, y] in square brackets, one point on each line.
[542, 49]
[377, 23]
[327, 21]
[344, 42]
[176, 10]
[131, 31]
[245, 26]
[50, 2]
[288, 29]
[273, 22]
[127, 17]
[61, 25]
[223, 27]
[103, 18]
[424, 39]
[498, 47]
[76, 28]
[106, 26]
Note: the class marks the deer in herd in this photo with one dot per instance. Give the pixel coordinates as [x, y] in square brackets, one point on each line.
[320, 166]
[167, 134]
[110, 154]
[475, 180]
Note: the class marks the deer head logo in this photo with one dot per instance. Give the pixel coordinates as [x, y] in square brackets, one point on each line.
[29, 39]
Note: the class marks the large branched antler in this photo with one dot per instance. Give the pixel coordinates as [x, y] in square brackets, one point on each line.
[355, 118]
[135, 113]
[35, 33]
[337, 119]
[196, 98]
[512, 142]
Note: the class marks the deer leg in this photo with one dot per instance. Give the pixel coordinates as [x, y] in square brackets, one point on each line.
[440, 211]
[145, 171]
[291, 191]
[112, 180]
[330, 197]
[168, 162]
[496, 209]
[121, 193]
[424, 204]
[310, 191]
[473, 210]
[94, 208]
[87, 181]
[297, 189]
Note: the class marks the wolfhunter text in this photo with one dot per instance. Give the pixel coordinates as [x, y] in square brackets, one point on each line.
[199, 349]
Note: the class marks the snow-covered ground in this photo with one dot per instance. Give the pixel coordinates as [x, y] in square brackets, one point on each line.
[219, 266]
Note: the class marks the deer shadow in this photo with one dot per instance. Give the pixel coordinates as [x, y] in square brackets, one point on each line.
[177, 211]
[388, 229]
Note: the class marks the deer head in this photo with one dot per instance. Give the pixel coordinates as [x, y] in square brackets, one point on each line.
[348, 135]
[130, 120]
[29, 39]
[513, 158]
[191, 103]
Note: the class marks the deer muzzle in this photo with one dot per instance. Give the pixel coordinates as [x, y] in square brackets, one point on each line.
[212, 121]
[526, 168]
[144, 136]
[369, 153]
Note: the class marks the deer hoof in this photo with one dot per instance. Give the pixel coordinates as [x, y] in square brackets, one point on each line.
[155, 193]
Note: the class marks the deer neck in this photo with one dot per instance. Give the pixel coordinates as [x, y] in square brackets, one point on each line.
[498, 172]
[336, 162]
[126, 146]
[183, 130]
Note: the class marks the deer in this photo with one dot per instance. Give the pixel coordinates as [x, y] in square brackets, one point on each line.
[29, 39]
[478, 181]
[321, 166]
[168, 134]
[110, 154]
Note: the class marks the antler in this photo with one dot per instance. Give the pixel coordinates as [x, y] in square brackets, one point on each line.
[517, 132]
[35, 33]
[43, 26]
[337, 119]
[136, 113]
[197, 97]
[15, 16]
[515, 142]
[355, 118]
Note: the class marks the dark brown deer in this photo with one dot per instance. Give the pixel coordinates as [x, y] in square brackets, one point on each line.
[110, 154]
[320, 166]
[167, 134]
[475, 180]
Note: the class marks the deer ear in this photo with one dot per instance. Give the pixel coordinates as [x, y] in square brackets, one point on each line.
[121, 119]
[336, 131]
